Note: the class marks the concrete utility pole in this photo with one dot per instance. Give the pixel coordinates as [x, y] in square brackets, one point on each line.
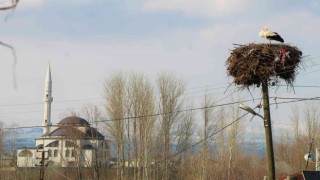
[41, 177]
[268, 131]
[42, 164]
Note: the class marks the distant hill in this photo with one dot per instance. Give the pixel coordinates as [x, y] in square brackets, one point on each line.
[26, 139]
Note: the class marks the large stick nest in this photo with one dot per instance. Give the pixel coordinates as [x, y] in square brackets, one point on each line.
[252, 64]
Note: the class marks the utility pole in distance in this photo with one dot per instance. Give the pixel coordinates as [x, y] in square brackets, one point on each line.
[42, 164]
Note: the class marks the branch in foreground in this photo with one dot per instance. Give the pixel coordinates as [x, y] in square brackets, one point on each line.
[14, 62]
[12, 6]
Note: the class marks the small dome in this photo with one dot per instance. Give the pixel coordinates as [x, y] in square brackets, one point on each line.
[74, 120]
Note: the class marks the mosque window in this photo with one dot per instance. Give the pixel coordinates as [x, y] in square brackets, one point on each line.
[53, 144]
[70, 144]
[55, 153]
[49, 153]
[73, 153]
[25, 153]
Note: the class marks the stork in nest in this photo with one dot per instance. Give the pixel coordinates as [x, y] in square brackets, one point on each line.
[265, 33]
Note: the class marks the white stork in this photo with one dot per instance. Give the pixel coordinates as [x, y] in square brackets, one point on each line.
[265, 33]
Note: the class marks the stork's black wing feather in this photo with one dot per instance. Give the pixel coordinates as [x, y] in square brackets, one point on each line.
[275, 37]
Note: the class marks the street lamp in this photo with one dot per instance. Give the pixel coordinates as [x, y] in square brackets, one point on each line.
[268, 134]
[250, 110]
[313, 157]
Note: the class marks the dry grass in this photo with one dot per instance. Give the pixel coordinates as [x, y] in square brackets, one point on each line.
[252, 64]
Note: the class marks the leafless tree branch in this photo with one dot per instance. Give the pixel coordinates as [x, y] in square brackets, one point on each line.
[14, 62]
[12, 6]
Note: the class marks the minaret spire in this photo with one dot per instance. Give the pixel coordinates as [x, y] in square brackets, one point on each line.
[47, 102]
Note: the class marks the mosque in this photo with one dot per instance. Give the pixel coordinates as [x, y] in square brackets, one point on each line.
[70, 143]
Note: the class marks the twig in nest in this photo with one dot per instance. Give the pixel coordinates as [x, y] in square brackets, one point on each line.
[228, 87]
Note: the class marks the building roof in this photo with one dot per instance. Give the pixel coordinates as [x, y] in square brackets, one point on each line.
[74, 120]
[92, 132]
[71, 132]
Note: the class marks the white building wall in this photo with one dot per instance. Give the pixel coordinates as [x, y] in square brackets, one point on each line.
[24, 160]
[87, 157]
[60, 159]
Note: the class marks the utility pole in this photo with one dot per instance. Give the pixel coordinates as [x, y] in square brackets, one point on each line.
[268, 131]
[41, 177]
[42, 164]
[317, 159]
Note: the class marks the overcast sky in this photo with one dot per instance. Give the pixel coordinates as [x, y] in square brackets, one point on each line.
[86, 40]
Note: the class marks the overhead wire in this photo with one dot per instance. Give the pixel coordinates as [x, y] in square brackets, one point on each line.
[211, 135]
[214, 133]
[190, 109]
[103, 105]
[187, 93]
[192, 92]
[198, 87]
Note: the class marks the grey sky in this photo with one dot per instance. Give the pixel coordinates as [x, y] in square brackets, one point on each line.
[85, 40]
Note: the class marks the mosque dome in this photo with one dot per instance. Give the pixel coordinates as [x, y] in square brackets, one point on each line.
[74, 120]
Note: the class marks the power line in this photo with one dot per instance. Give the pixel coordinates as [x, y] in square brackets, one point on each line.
[187, 93]
[295, 100]
[199, 87]
[81, 107]
[205, 107]
[303, 86]
[214, 133]
[218, 131]
[150, 115]
[191, 109]
[275, 98]
[63, 101]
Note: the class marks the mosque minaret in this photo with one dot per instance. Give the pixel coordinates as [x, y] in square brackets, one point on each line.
[47, 102]
[65, 143]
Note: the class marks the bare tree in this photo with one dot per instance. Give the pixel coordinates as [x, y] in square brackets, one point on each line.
[220, 139]
[171, 90]
[234, 135]
[10, 137]
[299, 138]
[209, 123]
[115, 97]
[1, 146]
[185, 133]
[142, 101]
[295, 120]
[93, 114]
[311, 116]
